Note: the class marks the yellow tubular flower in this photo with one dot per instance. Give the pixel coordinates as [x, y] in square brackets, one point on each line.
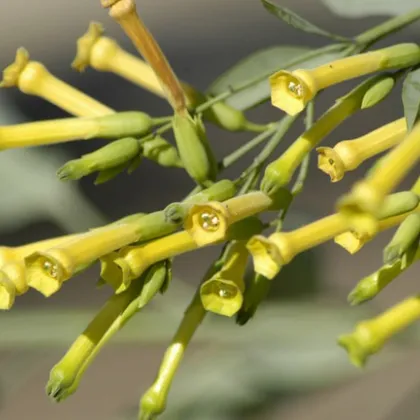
[47, 270]
[39, 133]
[363, 204]
[154, 399]
[291, 91]
[280, 172]
[353, 241]
[104, 54]
[120, 269]
[7, 292]
[13, 280]
[65, 376]
[32, 78]
[396, 208]
[348, 155]
[208, 223]
[272, 253]
[370, 336]
[124, 12]
[223, 292]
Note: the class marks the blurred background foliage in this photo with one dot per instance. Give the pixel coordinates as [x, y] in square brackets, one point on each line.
[285, 361]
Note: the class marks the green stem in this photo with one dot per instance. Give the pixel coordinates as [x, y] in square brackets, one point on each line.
[388, 27]
[162, 120]
[229, 160]
[303, 172]
[265, 154]
[256, 128]
[304, 167]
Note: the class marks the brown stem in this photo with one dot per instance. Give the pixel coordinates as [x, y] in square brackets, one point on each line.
[124, 12]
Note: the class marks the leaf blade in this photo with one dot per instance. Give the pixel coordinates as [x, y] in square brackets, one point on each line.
[363, 8]
[298, 22]
[411, 98]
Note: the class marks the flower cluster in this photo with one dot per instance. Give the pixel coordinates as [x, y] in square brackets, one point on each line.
[136, 252]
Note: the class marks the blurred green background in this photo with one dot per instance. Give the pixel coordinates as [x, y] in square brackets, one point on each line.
[285, 363]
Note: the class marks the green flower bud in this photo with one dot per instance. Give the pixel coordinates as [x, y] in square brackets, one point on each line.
[378, 92]
[194, 150]
[157, 279]
[124, 124]
[161, 152]
[370, 286]
[406, 235]
[115, 154]
[108, 174]
[400, 56]
[398, 203]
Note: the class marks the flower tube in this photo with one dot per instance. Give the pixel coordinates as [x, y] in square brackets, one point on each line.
[291, 91]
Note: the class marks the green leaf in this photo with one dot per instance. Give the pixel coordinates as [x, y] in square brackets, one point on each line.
[361, 8]
[411, 98]
[259, 66]
[298, 22]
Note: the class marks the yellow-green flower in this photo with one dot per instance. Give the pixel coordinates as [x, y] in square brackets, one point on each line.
[363, 204]
[280, 172]
[66, 375]
[7, 292]
[348, 155]
[272, 253]
[153, 401]
[47, 270]
[223, 292]
[33, 78]
[208, 223]
[353, 240]
[291, 91]
[104, 54]
[370, 336]
[12, 268]
[112, 126]
[120, 269]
